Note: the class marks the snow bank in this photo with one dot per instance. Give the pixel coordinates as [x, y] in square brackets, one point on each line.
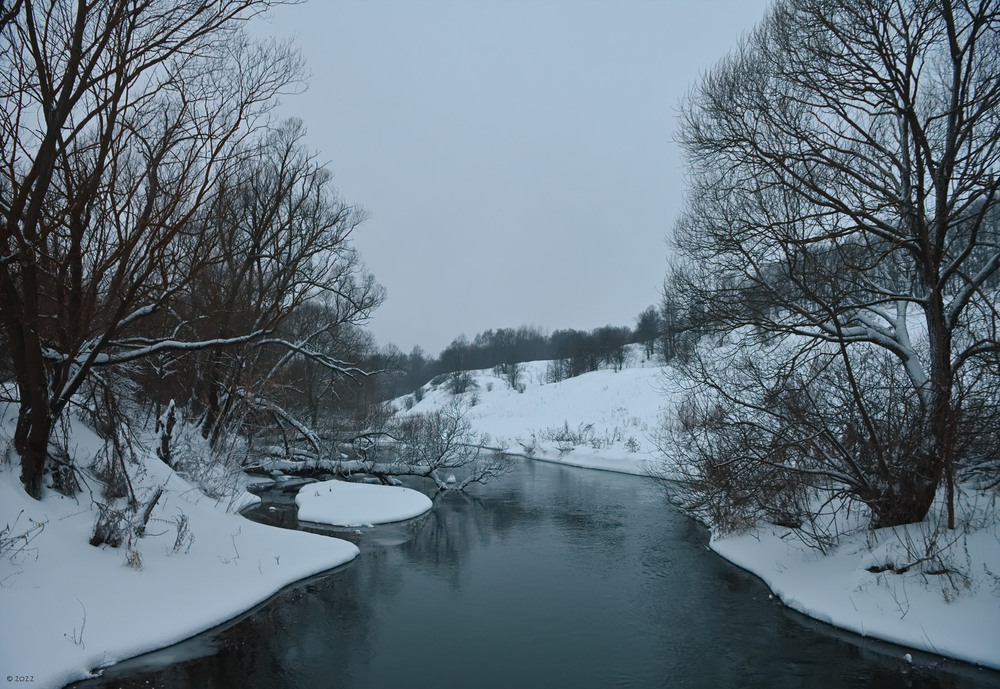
[340, 503]
[951, 608]
[68, 607]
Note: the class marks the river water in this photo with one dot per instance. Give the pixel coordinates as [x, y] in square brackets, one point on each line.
[552, 577]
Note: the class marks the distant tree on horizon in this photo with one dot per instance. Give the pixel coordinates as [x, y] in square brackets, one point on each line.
[647, 330]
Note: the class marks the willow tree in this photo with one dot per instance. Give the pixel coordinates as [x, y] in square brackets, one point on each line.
[840, 241]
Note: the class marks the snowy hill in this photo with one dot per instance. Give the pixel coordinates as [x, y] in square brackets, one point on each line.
[604, 419]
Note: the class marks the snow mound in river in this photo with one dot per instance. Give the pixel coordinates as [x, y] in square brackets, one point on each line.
[359, 504]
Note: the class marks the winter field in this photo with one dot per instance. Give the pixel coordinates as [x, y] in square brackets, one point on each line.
[71, 608]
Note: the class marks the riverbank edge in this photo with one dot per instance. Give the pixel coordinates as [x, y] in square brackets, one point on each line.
[127, 666]
[796, 579]
[71, 609]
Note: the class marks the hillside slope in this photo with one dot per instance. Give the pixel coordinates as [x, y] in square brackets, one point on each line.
[604, 419]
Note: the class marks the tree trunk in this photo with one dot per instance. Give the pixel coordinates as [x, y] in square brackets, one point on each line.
[911, 490]
[908, 497]
[942, 413]
[210, 398]
[34, 426]
[34, 420]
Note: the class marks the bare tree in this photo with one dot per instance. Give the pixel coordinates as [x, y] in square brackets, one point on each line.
[116, 117]
[433, 446]
[647, 330]
[513, 373]
[281, 247]
[842, 214]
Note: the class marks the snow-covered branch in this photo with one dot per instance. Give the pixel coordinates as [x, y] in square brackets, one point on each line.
[176, 346]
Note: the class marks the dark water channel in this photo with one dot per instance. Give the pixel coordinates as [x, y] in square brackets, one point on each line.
[554, 577]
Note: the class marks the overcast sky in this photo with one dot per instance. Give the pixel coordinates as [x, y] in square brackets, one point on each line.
[516, 158]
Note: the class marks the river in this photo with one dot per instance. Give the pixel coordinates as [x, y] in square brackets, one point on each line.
[552, 577]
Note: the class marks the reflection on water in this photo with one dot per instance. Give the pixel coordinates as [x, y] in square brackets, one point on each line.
[554, 577]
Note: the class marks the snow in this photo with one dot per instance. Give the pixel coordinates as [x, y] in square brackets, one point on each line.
[69, 608]
[956, 616]
[340, 503]
[599, 420]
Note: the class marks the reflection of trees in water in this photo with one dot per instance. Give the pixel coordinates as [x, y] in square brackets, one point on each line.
[459, 522]
[526, 504]
[304, 632]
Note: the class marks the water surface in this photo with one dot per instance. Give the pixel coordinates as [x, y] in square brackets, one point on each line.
[553, 577]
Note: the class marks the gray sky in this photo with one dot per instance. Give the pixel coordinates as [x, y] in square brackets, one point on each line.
[516, 157]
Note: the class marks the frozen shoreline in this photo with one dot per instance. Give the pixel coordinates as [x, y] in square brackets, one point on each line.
[108, 610]
[905, 609]
[70, 608]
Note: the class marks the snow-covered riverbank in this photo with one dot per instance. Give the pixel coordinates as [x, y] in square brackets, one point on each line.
[952, 609]
[601, 420]
[69, 608]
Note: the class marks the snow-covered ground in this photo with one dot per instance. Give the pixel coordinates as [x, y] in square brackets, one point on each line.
[600, 420]
[954, 611]
[68, 608]
[340, 503]
[949, 605]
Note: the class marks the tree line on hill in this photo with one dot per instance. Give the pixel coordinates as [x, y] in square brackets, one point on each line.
[571, 352]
